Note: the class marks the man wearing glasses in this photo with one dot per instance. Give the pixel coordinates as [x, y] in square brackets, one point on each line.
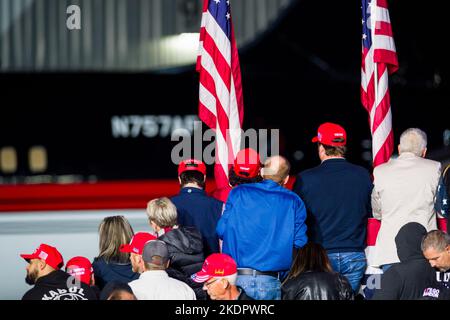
[218, 275]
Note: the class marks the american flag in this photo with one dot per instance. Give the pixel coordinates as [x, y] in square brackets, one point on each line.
[221, 104]
[379, 59]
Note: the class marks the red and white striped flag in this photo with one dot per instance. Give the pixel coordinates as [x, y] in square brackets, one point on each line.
[379, 59]
[221, 104]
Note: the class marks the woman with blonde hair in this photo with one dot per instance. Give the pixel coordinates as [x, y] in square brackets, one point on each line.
[185, 244]
[111, 264]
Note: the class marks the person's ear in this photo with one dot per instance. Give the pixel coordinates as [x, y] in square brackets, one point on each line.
[204, 178]
[226, 283]
[286, 180]
[424, 152]
[42, 264]
[398, 149]
[179, 179]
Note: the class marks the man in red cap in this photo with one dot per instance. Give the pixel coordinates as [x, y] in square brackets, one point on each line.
[51, 283]
[219, 274]
[194, 207]
[337, 196]
[81, 268]
[261, 226]
[135, 247]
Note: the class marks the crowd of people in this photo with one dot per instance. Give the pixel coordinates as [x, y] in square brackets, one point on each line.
[266, 242]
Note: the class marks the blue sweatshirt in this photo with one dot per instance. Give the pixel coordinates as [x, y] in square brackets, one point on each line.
[261, 225]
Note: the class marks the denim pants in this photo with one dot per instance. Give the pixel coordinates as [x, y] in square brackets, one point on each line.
[352, 265]
[260, 287]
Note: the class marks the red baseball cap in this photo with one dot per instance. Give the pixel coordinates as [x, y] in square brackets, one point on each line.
[216, 265]
[191, 165]
[49, 254]
[331, 134]
[247, 163]
[137, 243]
[80, 267]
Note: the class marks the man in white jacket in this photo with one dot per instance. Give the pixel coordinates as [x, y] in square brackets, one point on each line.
[404, 190]
[154, 283]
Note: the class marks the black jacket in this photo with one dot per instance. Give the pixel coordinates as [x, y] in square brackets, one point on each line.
[408, 279]
[54, 286]
[185, 247]
[317, 286]
[105, 272]
[440, 290]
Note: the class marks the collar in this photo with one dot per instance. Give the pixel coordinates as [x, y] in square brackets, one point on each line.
[407, 155]
[154, 274]
[334, 159]
[191, 190]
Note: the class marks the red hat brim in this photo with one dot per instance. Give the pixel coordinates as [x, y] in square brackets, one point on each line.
[201, 277]
[315, 139]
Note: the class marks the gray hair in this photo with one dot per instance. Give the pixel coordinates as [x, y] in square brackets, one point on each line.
[162, 212]
[413, 140]
[436, 239]
[231, 278]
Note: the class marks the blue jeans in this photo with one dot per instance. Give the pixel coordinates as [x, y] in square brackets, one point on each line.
[260, 287]
[352, 265]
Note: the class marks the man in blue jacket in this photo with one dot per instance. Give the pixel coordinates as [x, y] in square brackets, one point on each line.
[337, 198]
[194, 207]
[260, 227]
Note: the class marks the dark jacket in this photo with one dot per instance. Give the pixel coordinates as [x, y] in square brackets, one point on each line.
[317, 286]
[54, 286]
[185, 247]
[440, 290]
[105, 272]
[408, 279]
[196, 209]
[337, 198]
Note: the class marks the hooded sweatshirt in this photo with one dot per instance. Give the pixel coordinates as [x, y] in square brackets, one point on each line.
[55, 286]
[408, 279]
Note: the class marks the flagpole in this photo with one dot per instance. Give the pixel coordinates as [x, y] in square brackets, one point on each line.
[375, 71]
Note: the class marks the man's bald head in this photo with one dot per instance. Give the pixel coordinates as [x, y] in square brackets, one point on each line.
[277, 169]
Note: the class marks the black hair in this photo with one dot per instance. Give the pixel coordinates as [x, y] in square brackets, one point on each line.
[235, 180]
[192, 176]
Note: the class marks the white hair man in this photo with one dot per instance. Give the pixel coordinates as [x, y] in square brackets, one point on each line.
[404, 190]
[219, 275]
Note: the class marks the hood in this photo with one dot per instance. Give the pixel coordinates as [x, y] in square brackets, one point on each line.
[53, 279]
[184, 239]
[408, 241]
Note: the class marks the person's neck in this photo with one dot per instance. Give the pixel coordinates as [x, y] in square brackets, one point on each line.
[232, 294]
[192, 185]
[45, 273]
[325, 158]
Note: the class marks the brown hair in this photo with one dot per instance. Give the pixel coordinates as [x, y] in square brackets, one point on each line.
[113, 232]
[335, 151]
[312, 257]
